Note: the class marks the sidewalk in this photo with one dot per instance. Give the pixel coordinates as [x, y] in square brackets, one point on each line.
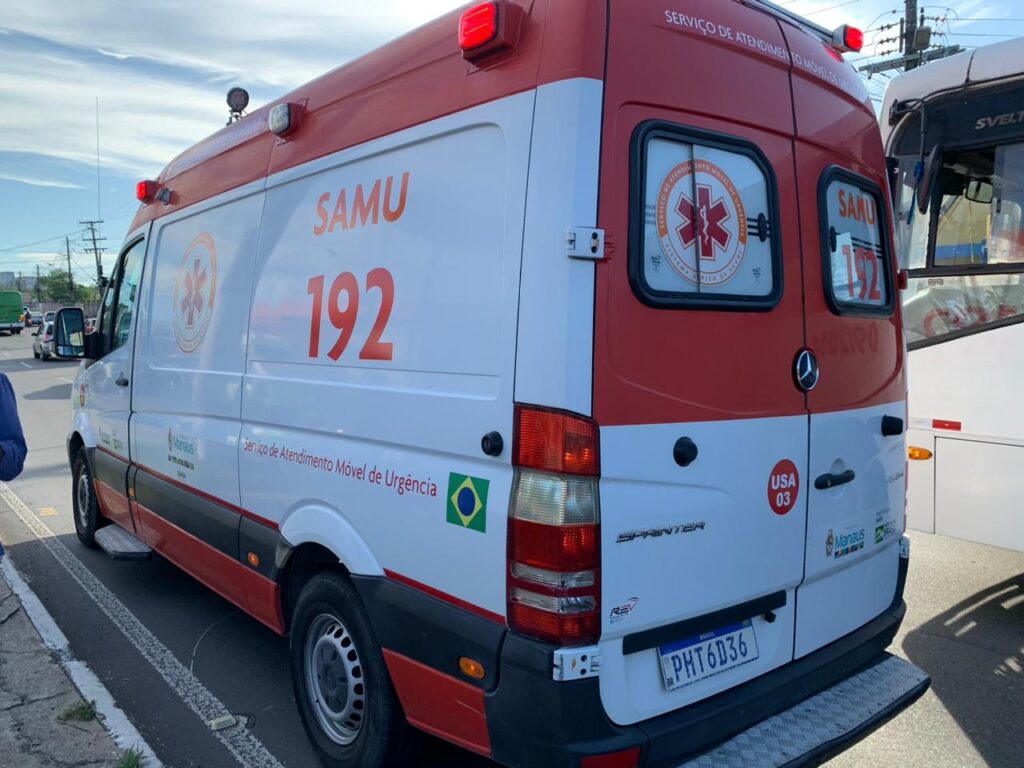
[36, 696]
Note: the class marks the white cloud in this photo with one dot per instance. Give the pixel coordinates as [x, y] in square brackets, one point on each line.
[161, 68]
[39, 182]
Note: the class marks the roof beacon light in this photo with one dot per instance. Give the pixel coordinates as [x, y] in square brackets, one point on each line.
[145, 191]
[849, 39]
[478, 26]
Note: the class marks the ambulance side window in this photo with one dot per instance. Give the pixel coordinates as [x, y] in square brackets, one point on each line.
[106, 314]
[857, 261]
[704, 221]
[120, 298]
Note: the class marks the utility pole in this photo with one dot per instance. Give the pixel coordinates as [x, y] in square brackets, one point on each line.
[39, 287]
[71, 279]
[909, 30]
[915, 44]
[97, 250]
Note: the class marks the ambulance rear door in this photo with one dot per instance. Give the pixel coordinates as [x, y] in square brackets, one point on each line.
[699, 320]
[855, 367]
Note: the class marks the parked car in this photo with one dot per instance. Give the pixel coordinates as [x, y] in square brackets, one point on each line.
[42, 344]
[49, 317]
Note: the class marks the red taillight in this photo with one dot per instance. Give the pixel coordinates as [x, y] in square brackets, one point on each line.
[554, 541]
[555, 441]
[145, 191]
[478, 26]
[561, 548]
[629, 758]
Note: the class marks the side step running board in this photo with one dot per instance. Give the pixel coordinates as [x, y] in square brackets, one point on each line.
[818, 727]
[121, 544]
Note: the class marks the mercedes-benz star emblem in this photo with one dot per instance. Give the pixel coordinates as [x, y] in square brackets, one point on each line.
[807, 371]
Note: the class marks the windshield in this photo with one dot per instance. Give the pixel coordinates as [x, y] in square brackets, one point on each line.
[976, 207]
[966, 255]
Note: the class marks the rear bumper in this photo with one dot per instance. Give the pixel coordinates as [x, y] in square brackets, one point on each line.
[534, 720]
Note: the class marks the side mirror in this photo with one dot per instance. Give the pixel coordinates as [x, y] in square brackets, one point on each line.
[979, 191]
[69, 332]
[926, 182]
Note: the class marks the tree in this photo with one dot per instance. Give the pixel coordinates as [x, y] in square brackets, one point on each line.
[54, 287]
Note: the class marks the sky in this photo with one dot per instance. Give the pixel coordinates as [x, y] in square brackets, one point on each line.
[157, 71]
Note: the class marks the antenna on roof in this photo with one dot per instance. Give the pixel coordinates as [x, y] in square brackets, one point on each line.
[238, 100]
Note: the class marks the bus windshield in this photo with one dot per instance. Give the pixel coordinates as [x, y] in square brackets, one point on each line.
[966, 255]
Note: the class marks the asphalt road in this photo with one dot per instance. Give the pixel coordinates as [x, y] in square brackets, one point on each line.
[965, 627]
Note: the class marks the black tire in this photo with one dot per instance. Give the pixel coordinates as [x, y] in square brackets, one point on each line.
[35, 354]
[330, 625]
[85, 507]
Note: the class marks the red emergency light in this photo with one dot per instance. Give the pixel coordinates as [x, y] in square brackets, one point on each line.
[488, 29]
[478, 26]
[145, 191]
[848, 38]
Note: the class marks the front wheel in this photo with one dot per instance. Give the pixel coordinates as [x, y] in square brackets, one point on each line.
[83, 500]
[344, 694]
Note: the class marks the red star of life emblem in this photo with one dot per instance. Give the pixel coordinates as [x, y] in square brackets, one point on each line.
[705, 224]
[192, 304]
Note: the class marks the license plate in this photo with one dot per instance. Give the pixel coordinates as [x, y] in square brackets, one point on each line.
[711, 653]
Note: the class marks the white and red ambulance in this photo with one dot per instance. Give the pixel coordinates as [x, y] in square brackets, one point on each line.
[541, 375]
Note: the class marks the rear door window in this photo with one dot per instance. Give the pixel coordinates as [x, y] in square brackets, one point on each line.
[706, 229]
[858, 274]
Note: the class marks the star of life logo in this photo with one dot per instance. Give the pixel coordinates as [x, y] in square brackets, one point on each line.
[195, 292]
[702, 225]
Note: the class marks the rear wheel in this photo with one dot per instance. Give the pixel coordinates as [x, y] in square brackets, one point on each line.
[83, 500]
[344, 694]
[35, 354]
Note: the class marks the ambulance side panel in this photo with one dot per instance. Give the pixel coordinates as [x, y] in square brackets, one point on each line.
[187, 388]
[382, 350]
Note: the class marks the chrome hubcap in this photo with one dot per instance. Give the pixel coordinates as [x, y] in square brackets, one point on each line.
[82, 499]
[334, 679]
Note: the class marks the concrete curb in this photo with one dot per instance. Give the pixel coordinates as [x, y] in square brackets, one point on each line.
[113, 719]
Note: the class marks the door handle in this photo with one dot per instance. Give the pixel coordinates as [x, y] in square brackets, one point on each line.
[121, 381]
[828, 480]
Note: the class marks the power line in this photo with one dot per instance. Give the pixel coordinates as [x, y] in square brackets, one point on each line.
[38, 242]
[831, 7]
[979, 34]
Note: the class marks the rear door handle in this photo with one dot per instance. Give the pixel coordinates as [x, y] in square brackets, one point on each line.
[121, 381]
[826, 481]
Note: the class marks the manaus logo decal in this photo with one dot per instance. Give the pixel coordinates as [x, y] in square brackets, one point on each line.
[195, 293]
[467, 501]
[701, 223]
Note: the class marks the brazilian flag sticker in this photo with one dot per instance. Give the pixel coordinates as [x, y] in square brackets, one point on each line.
[467, 501]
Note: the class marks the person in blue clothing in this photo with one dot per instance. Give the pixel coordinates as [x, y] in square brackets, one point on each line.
[12, 439]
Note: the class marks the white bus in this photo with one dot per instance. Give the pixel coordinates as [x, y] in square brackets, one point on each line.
[954, 133]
